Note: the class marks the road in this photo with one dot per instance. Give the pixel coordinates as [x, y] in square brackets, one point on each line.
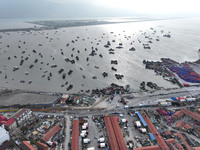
[109, 107]
[149, 98]
[67, 132]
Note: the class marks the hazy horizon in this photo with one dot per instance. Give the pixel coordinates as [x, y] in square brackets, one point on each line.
[96, 9]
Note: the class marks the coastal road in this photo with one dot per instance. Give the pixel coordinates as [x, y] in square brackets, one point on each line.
[150, 98]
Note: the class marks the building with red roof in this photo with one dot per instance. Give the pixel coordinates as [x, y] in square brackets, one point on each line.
[11, 123]
[187, 127]
[170, 141]
[173, 146]
[111, 134]
[42, 145]
[161, 142]
[75, 135]
[2, 118]
[183, 140]
[180, 124]
[177, 115]
[116, 139]
[154, 147]
[51, 133]
[195, 116]
[22, 115]
[25, 145]
[179, 146]
[118, 133]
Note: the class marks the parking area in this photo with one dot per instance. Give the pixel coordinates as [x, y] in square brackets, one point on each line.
[92, 127]
[91, 130]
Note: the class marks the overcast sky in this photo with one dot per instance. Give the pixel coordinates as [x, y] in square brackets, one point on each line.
[96, 8]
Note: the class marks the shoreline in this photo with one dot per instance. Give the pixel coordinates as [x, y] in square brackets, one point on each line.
[55, 98]
[54, 24]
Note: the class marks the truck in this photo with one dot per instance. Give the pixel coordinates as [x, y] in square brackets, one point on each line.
[86, 141]
[130, 144]
[102, 145]
[84, 131]
[124, 121]
[100, 140]
[126, 107]
[137, 124]
[143, 130]
[85, 124]
[84, 127]
[83, 135]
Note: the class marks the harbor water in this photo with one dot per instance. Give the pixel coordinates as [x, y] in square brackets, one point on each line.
[52, 47]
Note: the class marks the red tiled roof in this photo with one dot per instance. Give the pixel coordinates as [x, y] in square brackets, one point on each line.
[156, 134]
[9, 122]
[118, 133]
[184, 141]
[28, 145]
[196, 148]
[154, 147]
[19, 113]
[111, 134]
[191, 114]
[196, 113]
[75, 135]
[180, 124]
[170, 141]
[2, 118]
[51, 133]
[174, 148]
[178, 114]
[179, 146]
[42, 145]
[188, 127]
[167, 133]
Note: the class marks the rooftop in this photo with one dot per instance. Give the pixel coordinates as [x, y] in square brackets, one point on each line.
[44, 146]
[51, 133]
[19, 113]
[154, 147]
[2, 118]
[191, 114]
[9, 122]
[156, 134]
[28, 145]
[75, 135]
[180, 124]
[178, 114]
[170, 141]
[111, 134]
[184, 141]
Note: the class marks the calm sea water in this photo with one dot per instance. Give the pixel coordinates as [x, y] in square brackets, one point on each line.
[182, 46]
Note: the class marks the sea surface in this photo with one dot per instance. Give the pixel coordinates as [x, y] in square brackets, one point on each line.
[182, 46]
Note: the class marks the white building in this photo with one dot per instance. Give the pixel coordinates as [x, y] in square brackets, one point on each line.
[4, 135]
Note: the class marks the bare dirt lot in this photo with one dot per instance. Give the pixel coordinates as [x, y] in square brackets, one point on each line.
[12, 98]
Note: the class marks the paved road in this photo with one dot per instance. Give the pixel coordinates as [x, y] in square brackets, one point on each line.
[67, 132]
[150, 98]
[111, 107]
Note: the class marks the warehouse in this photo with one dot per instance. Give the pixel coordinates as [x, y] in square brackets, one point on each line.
[4, 135]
